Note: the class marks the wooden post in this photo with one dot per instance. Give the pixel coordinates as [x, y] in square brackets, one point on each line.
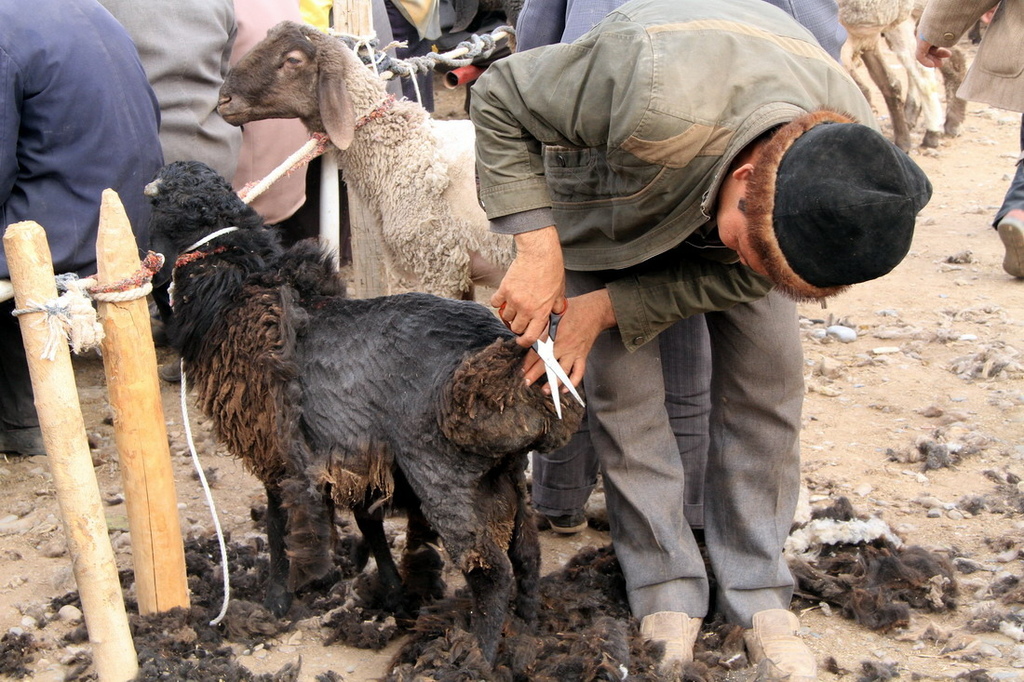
[129, 359]
[369, 277]
[67, 449]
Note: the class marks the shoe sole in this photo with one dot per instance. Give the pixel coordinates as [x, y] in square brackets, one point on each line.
[1011, 231]
[568, 530]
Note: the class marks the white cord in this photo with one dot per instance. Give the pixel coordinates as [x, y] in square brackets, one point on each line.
[209, 501]
[210, 237]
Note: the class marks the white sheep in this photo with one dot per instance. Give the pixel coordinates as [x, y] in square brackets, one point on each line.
[415, 174]
[867, 23]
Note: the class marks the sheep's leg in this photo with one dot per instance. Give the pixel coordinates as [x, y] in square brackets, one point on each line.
[892, 93]
[490, 582]
[524, 552]
[953, 71]
[421, 563]
[278, 598]
[922, 83]
[372, 528]
[864, 89]
[483, 272]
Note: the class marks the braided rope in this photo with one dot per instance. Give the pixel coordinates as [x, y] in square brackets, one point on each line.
[136, 286]
[314, 147]
[71, 317]
[466, 52]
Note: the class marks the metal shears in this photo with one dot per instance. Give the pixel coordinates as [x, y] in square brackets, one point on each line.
[555, 374]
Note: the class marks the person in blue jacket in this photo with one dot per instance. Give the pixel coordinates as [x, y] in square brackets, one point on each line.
[77, 116]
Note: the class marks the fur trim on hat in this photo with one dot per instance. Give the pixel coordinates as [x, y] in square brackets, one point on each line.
[760, 205]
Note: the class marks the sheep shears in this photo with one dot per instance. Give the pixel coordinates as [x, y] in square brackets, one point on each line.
[556, 375]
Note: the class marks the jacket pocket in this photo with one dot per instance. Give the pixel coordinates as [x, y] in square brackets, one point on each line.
[580, 175]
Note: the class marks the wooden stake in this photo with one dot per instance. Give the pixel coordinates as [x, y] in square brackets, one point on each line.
[67, 448]
[369, 276]
[129, 359]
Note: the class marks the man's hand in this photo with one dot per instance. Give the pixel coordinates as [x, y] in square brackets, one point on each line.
[585, 317]
[930, 55]
[533, 286]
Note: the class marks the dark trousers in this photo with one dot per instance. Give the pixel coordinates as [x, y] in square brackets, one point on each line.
[1014, 198]
[17, 404]
[402, 30]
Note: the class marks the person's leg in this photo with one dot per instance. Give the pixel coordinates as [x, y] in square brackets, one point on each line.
[686, 367]
[404, 31]
[643, 474]
[19, 423]
[561, 481]
[753, 475]
[1009, 220]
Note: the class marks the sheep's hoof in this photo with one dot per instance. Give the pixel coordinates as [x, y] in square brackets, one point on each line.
[278, 600]
[931, 139]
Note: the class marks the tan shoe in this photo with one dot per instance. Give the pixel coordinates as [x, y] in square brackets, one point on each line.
[773, 637]
[676, 629]
[1011, 231]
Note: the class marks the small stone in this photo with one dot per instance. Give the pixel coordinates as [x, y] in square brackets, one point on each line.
[12, 524]
[885, 350]
[70, 614]
[841, 333]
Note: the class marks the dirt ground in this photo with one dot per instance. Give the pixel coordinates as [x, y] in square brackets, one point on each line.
[936, 365]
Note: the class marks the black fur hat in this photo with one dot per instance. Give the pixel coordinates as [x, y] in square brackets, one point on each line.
[832, 203]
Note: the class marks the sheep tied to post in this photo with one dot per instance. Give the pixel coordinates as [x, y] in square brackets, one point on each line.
[415, 175]
[410, 402]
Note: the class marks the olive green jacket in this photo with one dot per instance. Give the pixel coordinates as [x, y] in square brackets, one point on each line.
[626, 134]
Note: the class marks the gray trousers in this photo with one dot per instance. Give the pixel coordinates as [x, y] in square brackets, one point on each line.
[563, 480]
[753, 469]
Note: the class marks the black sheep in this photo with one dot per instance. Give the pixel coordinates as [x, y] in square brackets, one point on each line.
[410, 401]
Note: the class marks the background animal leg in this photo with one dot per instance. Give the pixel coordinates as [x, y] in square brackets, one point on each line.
[953, 71]
[892, 94]
[922, 83]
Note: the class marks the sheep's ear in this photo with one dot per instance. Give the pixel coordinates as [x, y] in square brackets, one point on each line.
[336, 110]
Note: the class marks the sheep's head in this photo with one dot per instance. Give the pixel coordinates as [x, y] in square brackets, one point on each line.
[283, 77]
[191, 200]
